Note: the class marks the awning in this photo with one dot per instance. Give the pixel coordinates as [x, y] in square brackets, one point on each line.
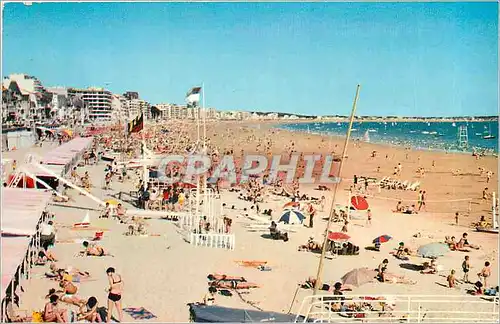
[21, 214]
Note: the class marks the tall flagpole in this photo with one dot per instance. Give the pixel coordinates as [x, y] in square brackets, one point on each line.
[332, 207]
[144, 165]
[204, 118]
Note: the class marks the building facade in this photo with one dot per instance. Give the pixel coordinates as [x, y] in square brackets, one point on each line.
[97, 102]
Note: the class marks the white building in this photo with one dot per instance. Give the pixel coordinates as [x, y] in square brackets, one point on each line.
[119, 108]
[60, 103]
[97, 102]
[136, 106]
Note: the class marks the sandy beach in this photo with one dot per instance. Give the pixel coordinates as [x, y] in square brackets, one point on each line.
[164, 273]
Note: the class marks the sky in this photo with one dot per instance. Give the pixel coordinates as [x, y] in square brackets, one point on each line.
[411, 59]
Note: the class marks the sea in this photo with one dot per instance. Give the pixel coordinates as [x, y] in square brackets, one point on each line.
[438, 136]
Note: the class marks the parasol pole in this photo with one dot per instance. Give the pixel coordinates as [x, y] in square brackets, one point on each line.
[494, 211]
[332, 207]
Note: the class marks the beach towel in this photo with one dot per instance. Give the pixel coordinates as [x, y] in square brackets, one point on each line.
[139, 313]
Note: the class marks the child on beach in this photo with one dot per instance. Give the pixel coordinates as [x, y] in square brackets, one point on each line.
[369, 219]
[451, 279]
[466, 268]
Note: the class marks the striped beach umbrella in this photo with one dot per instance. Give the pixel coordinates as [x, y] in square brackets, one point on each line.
[292, 217]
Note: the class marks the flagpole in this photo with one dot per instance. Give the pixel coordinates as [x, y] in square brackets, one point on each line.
[204, 118]
[332, 207]
[144, 165]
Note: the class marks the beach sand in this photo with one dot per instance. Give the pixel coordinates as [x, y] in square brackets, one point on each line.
[164, 273]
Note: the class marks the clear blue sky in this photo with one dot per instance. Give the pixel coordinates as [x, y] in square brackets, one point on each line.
[413, 59]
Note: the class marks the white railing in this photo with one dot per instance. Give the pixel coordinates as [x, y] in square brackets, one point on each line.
[394, 308]
[223, 241]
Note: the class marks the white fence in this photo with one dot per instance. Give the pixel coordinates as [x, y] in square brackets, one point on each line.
[222, 241]
[394, 308]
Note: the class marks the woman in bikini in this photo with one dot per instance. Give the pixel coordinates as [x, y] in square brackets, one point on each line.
[114, 293]
[52, 313]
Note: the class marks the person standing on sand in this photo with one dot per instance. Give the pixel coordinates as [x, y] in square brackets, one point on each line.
[369, 219]
[312, 213]
[456, 218]
[344, 228]
[419, 200]
[114, 294]
[466, 268]
[423, 201]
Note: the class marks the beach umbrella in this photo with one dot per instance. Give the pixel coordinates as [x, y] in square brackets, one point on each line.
[291, 204]
[433, 250]
[359, 203]
[338, 236]
[382, 239]
[358, 277]
[292, 217]
[112, 202]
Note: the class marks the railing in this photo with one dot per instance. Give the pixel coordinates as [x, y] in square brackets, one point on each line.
[394, 308]
[222, 241]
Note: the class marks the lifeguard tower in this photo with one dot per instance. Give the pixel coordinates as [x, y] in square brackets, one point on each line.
[463, 137]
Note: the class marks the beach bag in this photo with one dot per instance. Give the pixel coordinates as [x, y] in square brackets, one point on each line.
[36, 317]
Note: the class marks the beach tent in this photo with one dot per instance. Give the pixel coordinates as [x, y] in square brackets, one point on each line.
[292, 217]
[217, 314]
[433, 250]
[359, 203]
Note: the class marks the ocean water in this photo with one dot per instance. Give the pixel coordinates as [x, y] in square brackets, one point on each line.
[441, 136]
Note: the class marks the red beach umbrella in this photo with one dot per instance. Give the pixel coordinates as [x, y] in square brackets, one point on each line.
[359, 203]
[338, 236]
[186, 185]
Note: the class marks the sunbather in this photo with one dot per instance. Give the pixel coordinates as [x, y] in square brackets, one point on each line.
[219, 277]
[92, 250]
[310, 246]
[233, 284]
[52, 313]
[465, 243]
[430, 268]
[392, 278]
[69, 291]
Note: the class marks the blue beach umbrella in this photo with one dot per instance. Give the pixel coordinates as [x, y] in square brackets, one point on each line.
[433, 250]
[292, 217]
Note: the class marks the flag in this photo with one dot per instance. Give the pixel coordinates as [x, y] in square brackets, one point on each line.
[193, 96]
[135, 125]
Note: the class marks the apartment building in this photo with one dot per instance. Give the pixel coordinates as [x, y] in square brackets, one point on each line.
[97, 102]
[136, 106]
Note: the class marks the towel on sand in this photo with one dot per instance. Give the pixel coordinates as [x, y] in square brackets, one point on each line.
[139, 313]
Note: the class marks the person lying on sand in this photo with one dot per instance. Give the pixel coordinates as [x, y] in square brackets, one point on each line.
[393, 278]
[92, 250]
[409, 210]
[59, 273]
[59, 199]
[310, 246]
